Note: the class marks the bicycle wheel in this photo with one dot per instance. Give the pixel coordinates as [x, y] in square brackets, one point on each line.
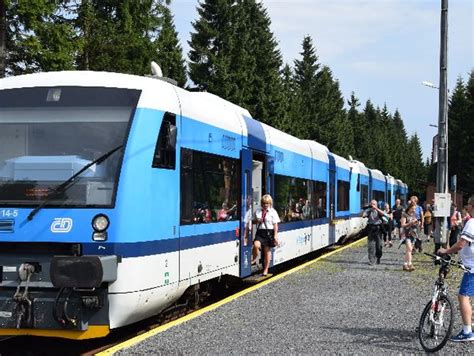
[434, 334]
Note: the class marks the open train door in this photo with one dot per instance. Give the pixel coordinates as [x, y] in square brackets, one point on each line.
[254, 181]
[246, 242]
[332, 199]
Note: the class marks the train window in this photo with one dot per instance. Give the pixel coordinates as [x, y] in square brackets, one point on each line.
[210, 188]
[342, 195]
[319, 199]
[364, 195]
[292, 198]
[379, 196]
[165, 150]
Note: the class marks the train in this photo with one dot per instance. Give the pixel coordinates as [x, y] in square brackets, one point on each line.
[119, 194]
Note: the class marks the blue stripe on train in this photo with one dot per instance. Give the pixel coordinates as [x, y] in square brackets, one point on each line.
[146, 248]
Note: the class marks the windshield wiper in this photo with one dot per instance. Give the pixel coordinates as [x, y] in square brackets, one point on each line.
[70, 182]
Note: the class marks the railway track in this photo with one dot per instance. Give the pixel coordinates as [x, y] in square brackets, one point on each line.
[208, 295]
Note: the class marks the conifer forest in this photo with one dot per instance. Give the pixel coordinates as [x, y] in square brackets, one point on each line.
[233, 54]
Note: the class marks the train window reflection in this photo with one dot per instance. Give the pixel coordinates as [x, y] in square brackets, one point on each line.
[210, 188]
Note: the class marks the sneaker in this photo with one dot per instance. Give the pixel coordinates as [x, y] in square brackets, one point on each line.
[405, 268]
[378, 261]
[411, 268]
[461, 337]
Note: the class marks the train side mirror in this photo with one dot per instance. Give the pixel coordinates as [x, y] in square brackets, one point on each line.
[172, 134]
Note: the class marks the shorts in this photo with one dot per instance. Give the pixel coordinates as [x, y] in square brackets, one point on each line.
[265, 237]
[467, 285]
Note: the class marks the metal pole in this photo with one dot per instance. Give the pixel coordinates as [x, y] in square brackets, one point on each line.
[442, 166]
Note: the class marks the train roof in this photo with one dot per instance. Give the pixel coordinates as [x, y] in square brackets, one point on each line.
[358, 167]
[213, 110]
[377, 174]
[341, 162]
[166, 101]
[401, 184]
[391, 179]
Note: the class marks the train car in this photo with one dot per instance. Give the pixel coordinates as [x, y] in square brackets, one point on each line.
[120, 194]
[359, 198]
[378, 187]
[401, 191]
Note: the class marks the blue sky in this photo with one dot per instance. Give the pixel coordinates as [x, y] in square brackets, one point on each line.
[380, 49]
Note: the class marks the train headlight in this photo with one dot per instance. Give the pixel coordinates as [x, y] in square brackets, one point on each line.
[100, 222]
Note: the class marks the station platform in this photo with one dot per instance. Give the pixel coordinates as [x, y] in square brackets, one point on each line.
[336, 305]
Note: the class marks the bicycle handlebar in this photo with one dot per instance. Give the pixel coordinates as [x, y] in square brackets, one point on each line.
[449, 262]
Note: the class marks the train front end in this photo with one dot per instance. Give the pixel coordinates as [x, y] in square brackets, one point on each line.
[61, 149]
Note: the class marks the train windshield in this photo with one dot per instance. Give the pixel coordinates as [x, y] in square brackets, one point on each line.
[49, 134]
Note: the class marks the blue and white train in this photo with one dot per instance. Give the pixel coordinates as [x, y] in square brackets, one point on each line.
[119, 193]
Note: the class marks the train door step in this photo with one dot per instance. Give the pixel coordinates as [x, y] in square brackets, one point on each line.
[256, 278]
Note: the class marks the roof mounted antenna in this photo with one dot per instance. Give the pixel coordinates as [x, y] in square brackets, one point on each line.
[157, 73]
[156, 70]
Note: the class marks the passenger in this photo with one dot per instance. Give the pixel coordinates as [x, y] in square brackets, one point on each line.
[421, 223]
[397, 211]
[374, 222]
[225, 214]
[299, 208]
[306, 210]
[222, 213]
[465, 244]
[267, 231]
[409, 233]
[387, 226]
[465, 216]
[320, 208]
[456, 224]
[428, 222]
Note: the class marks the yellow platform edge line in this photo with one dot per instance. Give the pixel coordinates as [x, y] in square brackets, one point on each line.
[135, 340]
[94, 331]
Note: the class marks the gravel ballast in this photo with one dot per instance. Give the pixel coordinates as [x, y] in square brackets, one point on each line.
[338, 305]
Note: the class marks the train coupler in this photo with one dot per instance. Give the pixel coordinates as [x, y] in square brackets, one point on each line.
[23, 307]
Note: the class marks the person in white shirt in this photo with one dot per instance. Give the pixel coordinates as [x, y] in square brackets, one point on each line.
[266, 219]
[465, 244]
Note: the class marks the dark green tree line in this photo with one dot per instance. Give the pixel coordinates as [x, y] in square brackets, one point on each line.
[103, 35]
[461, 134]
[234, 55]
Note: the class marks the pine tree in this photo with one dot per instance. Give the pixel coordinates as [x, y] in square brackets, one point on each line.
[267, 100]
[457, 136]
[169, 51]
[335, 130]
[3, 38]
[290, 114]
[234, 55]
[415, 170]
[384, 154]
[466, 176]
[211, 45]
[370, 117]
[399, 142]
[40, 36]
[118, 36]
[305, 80]
[360, 134]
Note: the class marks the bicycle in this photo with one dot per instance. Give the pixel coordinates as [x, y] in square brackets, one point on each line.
[436, 322]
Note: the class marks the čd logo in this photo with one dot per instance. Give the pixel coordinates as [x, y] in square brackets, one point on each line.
[61, 225]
